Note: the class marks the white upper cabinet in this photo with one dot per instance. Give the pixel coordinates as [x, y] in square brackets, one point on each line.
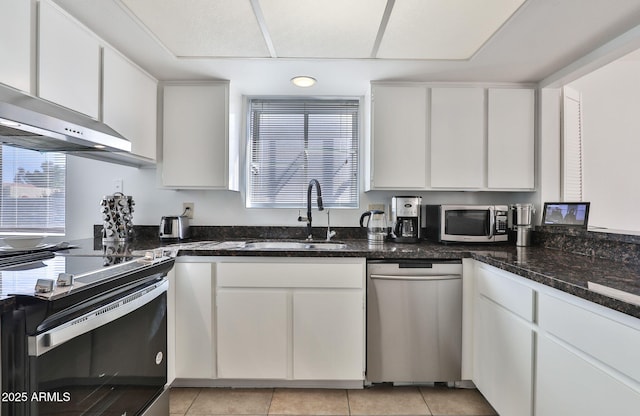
[434, 137]
[399, 137]
[510, 134]
[130, 103]
[68, 62]
[15, 44]
[195, 146]
[457, 138]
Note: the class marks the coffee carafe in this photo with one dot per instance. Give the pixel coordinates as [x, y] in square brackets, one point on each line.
[406, 218]
[376, 226]
[521, 220]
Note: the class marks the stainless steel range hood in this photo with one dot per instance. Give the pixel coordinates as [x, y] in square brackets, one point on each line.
[32, 123]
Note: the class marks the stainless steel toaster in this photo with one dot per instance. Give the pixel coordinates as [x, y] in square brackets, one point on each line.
[174, 227]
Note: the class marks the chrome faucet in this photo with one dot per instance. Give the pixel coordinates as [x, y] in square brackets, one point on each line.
[320, 206]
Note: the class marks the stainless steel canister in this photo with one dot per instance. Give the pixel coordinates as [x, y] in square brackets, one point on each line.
[522, 214]
[523, 236]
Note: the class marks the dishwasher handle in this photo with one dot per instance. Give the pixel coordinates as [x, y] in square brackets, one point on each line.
[415, 278]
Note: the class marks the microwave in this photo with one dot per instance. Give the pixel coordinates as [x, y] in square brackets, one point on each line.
[466, 223]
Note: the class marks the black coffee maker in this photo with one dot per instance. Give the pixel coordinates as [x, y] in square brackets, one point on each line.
[406, 217]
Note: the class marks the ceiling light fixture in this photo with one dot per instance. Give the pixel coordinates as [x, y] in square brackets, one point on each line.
[303, 81]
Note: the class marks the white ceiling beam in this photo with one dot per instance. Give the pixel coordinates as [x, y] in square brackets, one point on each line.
[257, 10]
[383, 26]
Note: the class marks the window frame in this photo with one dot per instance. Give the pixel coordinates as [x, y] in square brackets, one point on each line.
[247, 158]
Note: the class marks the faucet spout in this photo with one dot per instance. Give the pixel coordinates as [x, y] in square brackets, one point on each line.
[313, 182]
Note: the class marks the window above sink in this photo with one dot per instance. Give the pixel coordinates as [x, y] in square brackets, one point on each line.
[293, 140]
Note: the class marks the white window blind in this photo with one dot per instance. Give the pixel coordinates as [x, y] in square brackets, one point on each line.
[572, 146]
[292, 141]
[33, 192]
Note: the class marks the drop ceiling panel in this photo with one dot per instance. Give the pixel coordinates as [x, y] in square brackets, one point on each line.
[202, 28]
[442, 29]
[323, 29]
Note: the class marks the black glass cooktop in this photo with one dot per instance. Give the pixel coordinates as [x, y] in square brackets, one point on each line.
[21, 278]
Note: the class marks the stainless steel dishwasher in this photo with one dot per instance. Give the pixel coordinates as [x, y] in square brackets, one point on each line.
[414, 321]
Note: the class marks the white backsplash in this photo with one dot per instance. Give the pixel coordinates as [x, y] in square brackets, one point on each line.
[88, 181]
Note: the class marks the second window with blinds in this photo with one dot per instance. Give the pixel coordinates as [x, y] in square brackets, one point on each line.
[294, 140]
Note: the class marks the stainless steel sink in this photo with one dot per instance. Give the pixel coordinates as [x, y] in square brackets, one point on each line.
[293, 245]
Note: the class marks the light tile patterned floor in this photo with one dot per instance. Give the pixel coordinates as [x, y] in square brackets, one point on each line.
[376, 401]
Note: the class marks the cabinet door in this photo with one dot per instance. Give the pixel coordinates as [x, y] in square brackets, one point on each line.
[457, 138]
[68, 62]
[568, 384]
[503, 359]
[195, 146]
[15, 44]
[194, 341]
[328, 335]
[253, 335]
[399, 137]
[511, 150]
[130, 103]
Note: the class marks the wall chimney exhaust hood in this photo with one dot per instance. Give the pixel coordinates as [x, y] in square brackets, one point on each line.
[32, 123]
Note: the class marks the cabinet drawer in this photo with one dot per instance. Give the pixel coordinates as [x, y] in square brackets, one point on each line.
[505, 291]
[305, 275]
[609, 341]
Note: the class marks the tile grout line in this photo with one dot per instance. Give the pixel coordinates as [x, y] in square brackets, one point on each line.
[193, 401]
[273, 392]
[424, 399]
[346, 391]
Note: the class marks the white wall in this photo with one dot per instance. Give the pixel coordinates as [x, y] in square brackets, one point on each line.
[549, 157]
[611, 141]
[89, 180]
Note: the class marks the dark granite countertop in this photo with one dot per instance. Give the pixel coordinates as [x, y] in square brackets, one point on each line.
[570, 273]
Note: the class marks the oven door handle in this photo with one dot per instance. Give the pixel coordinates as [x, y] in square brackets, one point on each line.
[41, 343]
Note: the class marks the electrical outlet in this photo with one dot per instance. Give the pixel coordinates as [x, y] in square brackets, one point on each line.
[379, 207]
[187, 208]
[117, 185]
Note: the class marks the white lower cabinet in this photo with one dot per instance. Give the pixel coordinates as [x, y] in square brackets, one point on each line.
[569, 383]
[540, 351]
[504, 343]
[290, 319]
[587, 359]
[252, 333]
[327, 334]
[194, 343]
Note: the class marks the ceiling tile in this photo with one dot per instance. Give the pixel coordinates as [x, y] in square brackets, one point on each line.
[202, 28]
[442, 29]
[323, 29]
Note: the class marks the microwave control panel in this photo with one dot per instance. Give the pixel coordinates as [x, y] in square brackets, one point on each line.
[501, 222]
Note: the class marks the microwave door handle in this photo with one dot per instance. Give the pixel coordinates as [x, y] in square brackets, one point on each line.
[492, 222]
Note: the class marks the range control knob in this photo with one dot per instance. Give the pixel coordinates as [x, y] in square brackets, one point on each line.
[44, 286]
[64, 279]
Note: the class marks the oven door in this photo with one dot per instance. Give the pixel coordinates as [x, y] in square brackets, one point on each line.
[475, 224]
[109, 361]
